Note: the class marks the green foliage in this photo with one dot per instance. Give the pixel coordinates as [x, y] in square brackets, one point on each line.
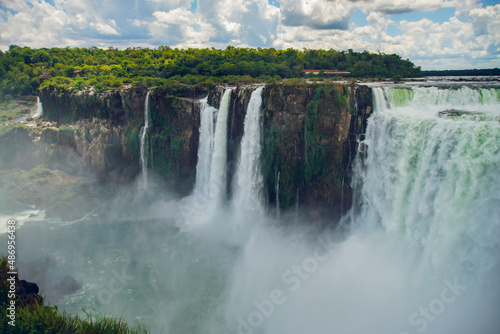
[293, 81]
[34, 317]
[87, 135]
[315, 153]
[474, 72]
[66, 135]
[15, 127]
[38, 171]
[13, 109]
[397, 78]
[14, 138]
[24, 70]
[276, 159]
[132, 141]
[166, 142]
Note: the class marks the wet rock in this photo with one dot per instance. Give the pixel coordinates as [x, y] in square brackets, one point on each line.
[29, 287]
[68, 286]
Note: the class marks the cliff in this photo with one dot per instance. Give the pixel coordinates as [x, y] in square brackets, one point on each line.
[310, 138]
[307, 130]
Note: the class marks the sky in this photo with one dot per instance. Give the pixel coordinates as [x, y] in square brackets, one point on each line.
[433, 34]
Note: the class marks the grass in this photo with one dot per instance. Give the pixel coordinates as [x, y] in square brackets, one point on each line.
[10, 110]
[35, 317]
[38, 171]
[7, 129]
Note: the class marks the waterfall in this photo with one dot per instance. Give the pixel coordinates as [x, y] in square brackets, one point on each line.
[432, 173]
[297, 204]
[277, 189]
[218, 166]
[206, 148]
[144, 145]
[247, 194]
[39, 108]
[419, 255]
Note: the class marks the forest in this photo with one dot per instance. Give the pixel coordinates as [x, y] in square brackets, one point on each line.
[24, 70]
[471, 72]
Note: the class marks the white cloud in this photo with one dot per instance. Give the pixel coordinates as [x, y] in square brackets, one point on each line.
[175, 17]
[469, 39]
[106, 29]
[402, 6]
[15, 5]
[318, 14]
[486, 21]
[37, 26]
[172, 3]
[215, 23]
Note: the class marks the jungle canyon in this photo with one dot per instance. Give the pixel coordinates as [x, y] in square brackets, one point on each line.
[310, 134]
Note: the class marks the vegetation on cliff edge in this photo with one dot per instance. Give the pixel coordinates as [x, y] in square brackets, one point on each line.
[24, 70]
[32, 316]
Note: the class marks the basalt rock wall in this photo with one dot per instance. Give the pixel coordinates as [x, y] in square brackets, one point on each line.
[310, 136]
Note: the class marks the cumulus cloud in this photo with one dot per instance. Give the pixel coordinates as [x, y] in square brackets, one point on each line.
[215, 23]
[39, 25]
[240, 20]
[317, 14]
[470, 38]
[106, 29]
[402, 6]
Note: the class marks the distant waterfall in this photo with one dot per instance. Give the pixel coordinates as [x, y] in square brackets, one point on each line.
[277, 190]
[297, 204]
[218, 166]
[39, 108]
[247, 194]
[144, 144]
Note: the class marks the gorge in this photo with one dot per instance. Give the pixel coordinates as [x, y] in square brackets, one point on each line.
[396, 187]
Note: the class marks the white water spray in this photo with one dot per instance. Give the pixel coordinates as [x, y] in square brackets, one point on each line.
[247, 201]
[144, 145]
[247, 194]
[421, 256]
[39, 108]
[297, 204]
[277, 190]
[218, 166]
[206, 148]
[435, 180]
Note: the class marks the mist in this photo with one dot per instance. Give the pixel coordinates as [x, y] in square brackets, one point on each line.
[418, 253]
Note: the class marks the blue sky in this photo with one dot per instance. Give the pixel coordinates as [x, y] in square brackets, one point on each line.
[434, 34]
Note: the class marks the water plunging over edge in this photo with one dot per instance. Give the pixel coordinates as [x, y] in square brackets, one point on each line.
[144, 145]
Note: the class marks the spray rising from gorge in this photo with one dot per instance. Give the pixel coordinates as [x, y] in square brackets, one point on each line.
[144, 145]
[417, 252]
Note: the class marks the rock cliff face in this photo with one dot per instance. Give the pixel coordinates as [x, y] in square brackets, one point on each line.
[310, 137]
[173, 138]
[305, 130]
[100, 133]
[310, 140]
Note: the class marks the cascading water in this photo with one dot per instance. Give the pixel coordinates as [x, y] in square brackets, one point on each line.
[277, 190]
[200, 210]
[297, 204]
[247, 198]
[218, 166]
[247, 194]
[420, 256]
[433, 172]
[206, 148]
[144, 145]
[39, 108]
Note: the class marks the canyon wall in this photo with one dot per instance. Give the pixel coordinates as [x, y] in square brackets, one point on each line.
[310, 136]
